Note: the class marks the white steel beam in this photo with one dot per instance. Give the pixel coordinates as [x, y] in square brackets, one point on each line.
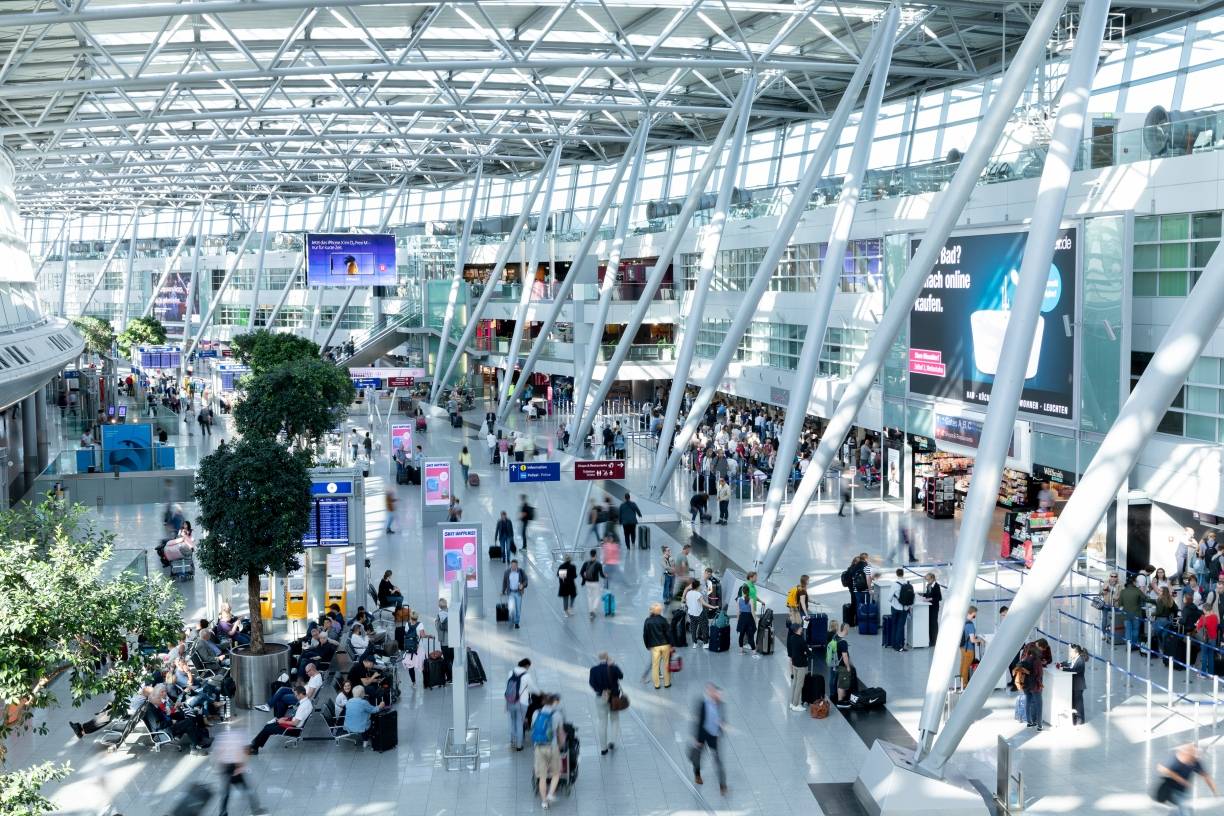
[127, 274]
[257, 281]
[452, 297]
[170, 262]
[301, 261]
[110, 254]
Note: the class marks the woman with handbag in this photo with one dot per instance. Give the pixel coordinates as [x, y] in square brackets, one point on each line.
[610, 701]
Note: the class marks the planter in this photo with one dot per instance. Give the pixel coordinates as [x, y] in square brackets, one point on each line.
[253, 674]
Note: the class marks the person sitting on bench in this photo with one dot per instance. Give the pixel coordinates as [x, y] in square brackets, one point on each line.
[357, 713]
[281, 725]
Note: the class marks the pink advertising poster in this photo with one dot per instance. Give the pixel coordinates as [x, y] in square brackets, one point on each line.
[437, 483]
[461, 555]
[401, 439]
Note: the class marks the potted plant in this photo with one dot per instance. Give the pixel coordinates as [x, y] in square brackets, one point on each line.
[254, 500]
[303, 399]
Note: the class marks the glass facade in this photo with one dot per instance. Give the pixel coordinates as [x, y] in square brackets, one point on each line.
[778, 345]
[1170, 251]
[797, 271]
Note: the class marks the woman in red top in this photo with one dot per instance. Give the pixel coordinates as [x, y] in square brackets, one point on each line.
[1207, 628]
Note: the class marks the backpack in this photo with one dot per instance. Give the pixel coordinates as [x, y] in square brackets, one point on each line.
[860, 580]
[846, 578]
[792, 597]
[529, 512]
[714, 596]
[542, 728]
[906, 595]
[412, 639]
[831, 651]
[228, 686]
[514, 687]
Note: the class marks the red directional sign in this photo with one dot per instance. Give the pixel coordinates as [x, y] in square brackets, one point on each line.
[599, 469]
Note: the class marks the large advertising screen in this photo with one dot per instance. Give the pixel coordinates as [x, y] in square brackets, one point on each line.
[436, 481]
[461, 555]
[401, 440]
[127, 448]
[170, 302]
[350, 260]
[959, 320]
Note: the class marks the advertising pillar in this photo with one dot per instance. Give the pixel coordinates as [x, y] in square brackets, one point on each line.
[437, 488]
[460, 545]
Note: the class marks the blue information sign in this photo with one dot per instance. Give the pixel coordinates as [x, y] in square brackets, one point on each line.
[361, 383]
[535, 472]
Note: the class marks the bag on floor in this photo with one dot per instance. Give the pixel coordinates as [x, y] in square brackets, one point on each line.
[473, 480]
[420, 424]
[495, 552]
[502, 612]
[765, 640]
[869, 698]
[643, 538]
[819, 709]
[848, 614]
[433, 672]
[475, 669]
[609, 604]
[384, 730]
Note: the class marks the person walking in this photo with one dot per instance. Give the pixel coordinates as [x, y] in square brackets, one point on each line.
[567, 584]
[593, 514]
[367, 445]
[724, 501]
[1028, 679]
[355, 445]
[491, 444]
[592, 574]
[629, 513]
[490, 420]
[611, 556]
[526, 516]
[390, 501]
[1177, 778]
[1076, 667]
[669, 575]
[514, 584]
[799, 654]
[656, 634]
[547, 738]
[968, 645]
[520, 685]
[503, 534]
[847, 494]
[710, 724]
[604, 679]
[745, 622]
[900, 601]
[465, 464]
[230, 753]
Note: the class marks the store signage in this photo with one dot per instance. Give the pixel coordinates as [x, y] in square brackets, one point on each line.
[436, 482]
[964, 431]
[599, 469]
[921, 443]
[461, 554]
[400, 382]
[358, 372]
[1045, 473]
[535, 472]
[959, 320]
[779, 396]
[362, 383]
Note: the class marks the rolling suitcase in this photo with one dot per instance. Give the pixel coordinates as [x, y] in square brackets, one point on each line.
[818, 630]
[495, 551]
[720, 638]
[421, 425]
[473, 480]
[643, 538]
[456, 421]
[679, 629]
[384, 730]
[868, 618]
[414, 475]
[848, 615]
[402, 477]
[433, 672]
[886, 639]
[502, 611]
[609, 604]
[813, 688]
[475, 669]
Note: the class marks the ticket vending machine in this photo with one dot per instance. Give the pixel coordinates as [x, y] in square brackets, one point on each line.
[336, 581]
[295, 595]
[267, 596]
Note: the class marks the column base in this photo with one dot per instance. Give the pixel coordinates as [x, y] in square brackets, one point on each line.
[889, 785]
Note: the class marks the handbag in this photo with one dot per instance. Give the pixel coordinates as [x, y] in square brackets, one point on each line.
[675, 663]
[819, 709]
[618, 702]
[1164, 791]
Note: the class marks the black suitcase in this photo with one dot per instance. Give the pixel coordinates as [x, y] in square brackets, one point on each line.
[475, 669]
[886, 627]
[813, 688]
[414, 475]
[495, 551]
[434, 672]
[401, 476]
[502, 611]
[848, 615]
[193, 801]
[720, 638]
[643, 538]
[456, 421]
[384, 730]
[679, 629]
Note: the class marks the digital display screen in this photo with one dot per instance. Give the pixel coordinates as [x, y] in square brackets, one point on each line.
[461, 555]
[437, 484]
[329, 523]
[158, 357]
[350, 260]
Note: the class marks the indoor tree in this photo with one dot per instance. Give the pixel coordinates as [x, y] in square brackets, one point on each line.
[254, 500]
[63, 615]
[98, 334]
[141, 331]
[263, 349]
[303, 399]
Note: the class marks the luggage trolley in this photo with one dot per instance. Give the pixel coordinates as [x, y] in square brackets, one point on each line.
[569, 763]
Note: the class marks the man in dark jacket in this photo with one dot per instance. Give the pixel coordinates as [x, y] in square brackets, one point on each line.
[514, 582]
[490, 420]
[503, 534]
[799, 654]
[656, 634]
[604, 680]
[629, 514]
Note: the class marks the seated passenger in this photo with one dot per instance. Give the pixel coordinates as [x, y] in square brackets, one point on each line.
[283, 724]
[388, 593]
[181, 546]
[357, 713]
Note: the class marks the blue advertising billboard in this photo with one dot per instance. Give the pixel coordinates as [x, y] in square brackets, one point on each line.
[959, 320]
[535, 472]
[350, 260]
[127, 448]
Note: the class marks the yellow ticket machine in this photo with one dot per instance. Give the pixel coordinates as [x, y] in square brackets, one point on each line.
[295, 595]
[336, 581]
[267, 596]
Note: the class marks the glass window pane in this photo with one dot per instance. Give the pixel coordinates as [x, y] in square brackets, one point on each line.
[1202, 252]
[1175, 227]
[1207, 225]
[1145, 284]
[1171, 424]
[1173, 284]
[1202, 399]
[1145, 228]
[1147, 257]
[1205, 370]
[1174, 256]
[1198, 427]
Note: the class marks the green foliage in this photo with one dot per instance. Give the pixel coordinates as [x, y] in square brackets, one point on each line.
[20, 791]
[254, 499]
[263, 350]
[97, 332]
[61, 613]
[302, 399]
[141, 331]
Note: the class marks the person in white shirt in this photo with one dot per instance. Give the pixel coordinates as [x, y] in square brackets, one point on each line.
[304, 709]
[358, 640]
[520, 685]
[897, 603]
[314, 680]
[694, 606]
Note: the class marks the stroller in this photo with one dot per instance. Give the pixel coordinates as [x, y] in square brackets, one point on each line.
[569, 763]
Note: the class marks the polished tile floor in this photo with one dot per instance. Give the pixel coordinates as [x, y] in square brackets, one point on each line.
[772, 755]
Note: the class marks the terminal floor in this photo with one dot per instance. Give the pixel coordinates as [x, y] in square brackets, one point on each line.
[775, 758]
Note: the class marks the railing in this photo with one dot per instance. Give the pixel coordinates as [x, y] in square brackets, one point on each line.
[643, 353]
[408, 315]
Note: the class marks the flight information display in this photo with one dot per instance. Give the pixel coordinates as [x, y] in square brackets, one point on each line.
[159, 357]
[329, 523]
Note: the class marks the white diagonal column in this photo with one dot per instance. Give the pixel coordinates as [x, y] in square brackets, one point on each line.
[452, 297]
[582, 382]
[110, 255]
[63, 287]
[744, 104]
[130, 261]
[301, 260]
[945, 210]
[491, 285]
[192, 283]
[258, 276]
[773, 253]
[171, 261]
[527, 282]
[634, 155]
[711, 240]
[978, 515]
[826, 290]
